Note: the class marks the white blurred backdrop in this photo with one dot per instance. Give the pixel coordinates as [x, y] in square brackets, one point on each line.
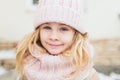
[102, 18]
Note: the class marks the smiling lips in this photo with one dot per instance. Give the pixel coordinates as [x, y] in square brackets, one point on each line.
[54, 45]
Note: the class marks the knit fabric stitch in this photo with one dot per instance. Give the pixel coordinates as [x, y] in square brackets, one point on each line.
[69, 12]
[47, 67]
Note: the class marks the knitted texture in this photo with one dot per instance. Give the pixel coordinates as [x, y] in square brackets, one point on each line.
[69, 12]
[47, 67]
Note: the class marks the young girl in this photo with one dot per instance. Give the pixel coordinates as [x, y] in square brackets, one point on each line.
[58, 48]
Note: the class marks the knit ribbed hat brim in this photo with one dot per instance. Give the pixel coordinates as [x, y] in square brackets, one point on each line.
[60, 14]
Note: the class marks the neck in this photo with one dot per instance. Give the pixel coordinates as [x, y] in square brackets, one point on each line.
[48, 67]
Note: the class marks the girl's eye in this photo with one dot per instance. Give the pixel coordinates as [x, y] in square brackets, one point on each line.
[46, 27]
[64, 29]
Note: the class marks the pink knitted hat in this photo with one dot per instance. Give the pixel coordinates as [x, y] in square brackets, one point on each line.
[69, 12]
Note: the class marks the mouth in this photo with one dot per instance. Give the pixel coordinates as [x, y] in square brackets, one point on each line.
[54, 45]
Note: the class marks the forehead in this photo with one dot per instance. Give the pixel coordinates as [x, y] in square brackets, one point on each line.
[57, 24]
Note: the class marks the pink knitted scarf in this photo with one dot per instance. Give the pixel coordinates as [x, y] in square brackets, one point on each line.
[48, 67]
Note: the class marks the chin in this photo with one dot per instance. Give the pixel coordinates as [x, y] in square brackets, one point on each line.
[54, 53]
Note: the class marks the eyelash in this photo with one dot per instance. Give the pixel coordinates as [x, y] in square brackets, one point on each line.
[61, 29]
[46, 27]
[64, 29]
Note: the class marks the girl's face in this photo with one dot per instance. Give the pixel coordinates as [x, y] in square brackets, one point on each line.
[56, 37]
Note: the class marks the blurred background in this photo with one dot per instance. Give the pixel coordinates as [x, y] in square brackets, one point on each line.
[102, 19]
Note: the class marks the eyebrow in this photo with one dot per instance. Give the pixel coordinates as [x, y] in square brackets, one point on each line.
[62, 24]
[58, 23]
[48, 23]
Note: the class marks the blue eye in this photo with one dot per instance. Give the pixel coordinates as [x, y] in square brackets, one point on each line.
[46, 27]
[64, 29]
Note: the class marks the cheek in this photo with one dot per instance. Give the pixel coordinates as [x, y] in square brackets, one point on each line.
[68, 39]
[43, 35]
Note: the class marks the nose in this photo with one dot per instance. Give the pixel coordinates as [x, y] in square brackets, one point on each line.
[54, 35]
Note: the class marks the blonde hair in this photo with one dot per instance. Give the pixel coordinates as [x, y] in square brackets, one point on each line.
[79, 50]
[80, 53]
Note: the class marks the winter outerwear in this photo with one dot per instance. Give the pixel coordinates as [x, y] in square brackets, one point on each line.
[69, 12]
[48, 67]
